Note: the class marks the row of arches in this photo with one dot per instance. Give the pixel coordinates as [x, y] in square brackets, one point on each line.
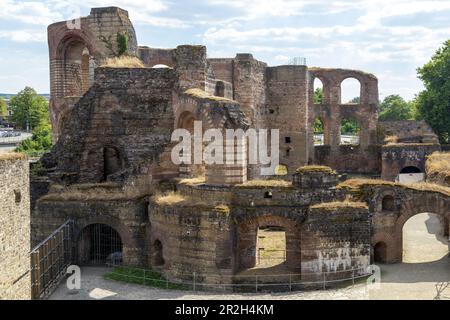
[350, 131]
[350, 91]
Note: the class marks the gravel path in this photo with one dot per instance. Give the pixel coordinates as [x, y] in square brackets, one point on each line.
[426, 264]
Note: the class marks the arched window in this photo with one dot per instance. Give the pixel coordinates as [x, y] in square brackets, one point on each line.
[220, 89]
[111, 161]
[78, 68]
[350, 131]
[388, 203]
[158, 257]
[318, 91]
[268, 195]
[319, 139]
[350, 91]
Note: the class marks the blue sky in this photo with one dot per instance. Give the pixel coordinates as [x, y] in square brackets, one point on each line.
[389, 38]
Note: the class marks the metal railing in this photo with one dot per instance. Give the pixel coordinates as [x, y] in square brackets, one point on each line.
[16, 139]
[253, 283]
[49, 261]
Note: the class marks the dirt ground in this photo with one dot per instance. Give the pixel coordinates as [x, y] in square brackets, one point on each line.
[426, 265]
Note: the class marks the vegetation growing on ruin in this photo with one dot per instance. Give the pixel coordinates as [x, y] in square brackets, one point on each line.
[357, 184]
[144, 277]
[193, 181]
[124, 61]
[109, 191]
[11, 156]
[266, 184]
[201, 94]
[406, 144]
[171, 198]
[340, 205]
[307, 169]
[223, 209]
[438, 166]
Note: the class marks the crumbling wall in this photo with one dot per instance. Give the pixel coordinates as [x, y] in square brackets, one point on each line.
[76, 48]
[287, 110]
[361, 158]
[335, 240]
[408, 131]
[127, 110]
[15, 280]
[396, 157]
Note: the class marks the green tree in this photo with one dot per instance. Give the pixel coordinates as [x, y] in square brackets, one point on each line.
[122, 43]
[29, 109]
[355, 100]
[3, 108]
[433, 104]
[350, 127]
[318, 96]
[318, 126]
[395, 108]
[40, 142]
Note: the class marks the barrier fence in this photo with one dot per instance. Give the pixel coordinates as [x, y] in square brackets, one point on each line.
[49, 261]
[251, 283]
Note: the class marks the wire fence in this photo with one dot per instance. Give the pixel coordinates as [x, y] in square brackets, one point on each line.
[50, 260]
[240, 283]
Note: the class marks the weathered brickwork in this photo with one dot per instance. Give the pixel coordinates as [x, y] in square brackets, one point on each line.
[112, 164]
[15, 281]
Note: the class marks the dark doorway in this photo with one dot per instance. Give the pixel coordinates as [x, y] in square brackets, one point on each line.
[379, 252]
[158, 258]
[112, 161]
[99, 244]
[411, 169]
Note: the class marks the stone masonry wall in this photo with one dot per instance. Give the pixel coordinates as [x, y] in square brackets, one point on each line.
[15, 280]
[335, 240]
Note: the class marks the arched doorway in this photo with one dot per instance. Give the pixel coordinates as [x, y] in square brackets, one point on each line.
[424, 238]
[270, 247]
[379, 252]
[410, 174]
[268, 242]
[99, 244]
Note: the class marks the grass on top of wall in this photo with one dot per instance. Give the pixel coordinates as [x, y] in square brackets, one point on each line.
[193, 181]
[307, 169]
[12, 156]
[201, 94]
[438, 166]
[169, 199]
[123, 62]
[340, 204]
[265, 184]
[356, 184]
[144, 277]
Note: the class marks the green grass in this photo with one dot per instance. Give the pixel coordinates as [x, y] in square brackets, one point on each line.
[144, 277]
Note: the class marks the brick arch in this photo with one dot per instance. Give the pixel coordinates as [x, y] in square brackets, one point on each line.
[417, 204]
[247, 236]
[128, 242]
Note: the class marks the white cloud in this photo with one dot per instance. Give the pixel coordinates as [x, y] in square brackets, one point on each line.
[24, 35]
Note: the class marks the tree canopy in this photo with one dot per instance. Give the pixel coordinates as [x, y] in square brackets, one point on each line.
[433, 104]
[395, 108]
[3, 108]
[29, 109]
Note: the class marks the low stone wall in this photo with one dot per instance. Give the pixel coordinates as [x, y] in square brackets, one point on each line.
[335, 241]
[15, 279]
[194, 239]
